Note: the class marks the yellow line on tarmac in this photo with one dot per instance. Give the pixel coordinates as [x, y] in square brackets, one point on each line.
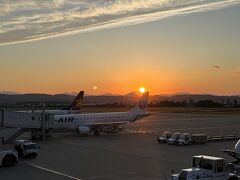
[55, 172]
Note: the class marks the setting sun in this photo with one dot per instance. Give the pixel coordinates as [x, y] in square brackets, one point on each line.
[142, 90]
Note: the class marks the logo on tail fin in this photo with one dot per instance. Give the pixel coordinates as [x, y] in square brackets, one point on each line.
[142, 105]
[143, 101]
[77, 101]
[76, 104]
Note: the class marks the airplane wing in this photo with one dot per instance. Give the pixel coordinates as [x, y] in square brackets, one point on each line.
[232, 153]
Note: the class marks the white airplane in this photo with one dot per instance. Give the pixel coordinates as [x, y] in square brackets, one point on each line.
[95, 122]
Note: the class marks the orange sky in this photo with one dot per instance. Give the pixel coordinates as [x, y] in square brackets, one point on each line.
[169, 56]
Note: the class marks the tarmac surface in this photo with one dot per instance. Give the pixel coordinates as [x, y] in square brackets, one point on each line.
[131, 154]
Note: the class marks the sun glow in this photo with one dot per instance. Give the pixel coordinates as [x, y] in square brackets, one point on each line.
[142, 90]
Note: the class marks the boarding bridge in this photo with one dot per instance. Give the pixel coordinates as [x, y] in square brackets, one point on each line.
[25, 121]
[32, 120]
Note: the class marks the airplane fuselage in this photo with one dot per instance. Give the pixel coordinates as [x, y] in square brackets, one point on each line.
[74, 120]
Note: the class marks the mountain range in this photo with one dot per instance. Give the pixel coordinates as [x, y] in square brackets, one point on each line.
[108, 98]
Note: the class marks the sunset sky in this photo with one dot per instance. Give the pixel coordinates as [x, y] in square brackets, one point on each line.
[196, 52]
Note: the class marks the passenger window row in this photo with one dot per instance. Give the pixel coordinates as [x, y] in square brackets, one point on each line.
[71, 119]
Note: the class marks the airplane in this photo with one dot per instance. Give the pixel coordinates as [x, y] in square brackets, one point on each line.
[95, 122]
[235, 153]
[73, 108]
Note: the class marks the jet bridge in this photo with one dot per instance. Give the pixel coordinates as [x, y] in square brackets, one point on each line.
[32, 120]
[35, 121]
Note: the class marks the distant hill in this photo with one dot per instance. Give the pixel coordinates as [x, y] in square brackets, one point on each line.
[195, 98]
[29, 98]
[129, 98]
[8, 92]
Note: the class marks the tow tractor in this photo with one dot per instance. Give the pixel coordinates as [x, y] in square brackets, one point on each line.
[206, 168]
[26, 148]
[174, 138]
[165, 136]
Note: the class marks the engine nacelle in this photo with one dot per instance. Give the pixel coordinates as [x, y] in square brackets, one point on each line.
[237, 147]
[83, 130]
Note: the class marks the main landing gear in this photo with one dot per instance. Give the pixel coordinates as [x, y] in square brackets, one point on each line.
[97, 132]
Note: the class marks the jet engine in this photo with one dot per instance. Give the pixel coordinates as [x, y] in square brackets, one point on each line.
[84, 130]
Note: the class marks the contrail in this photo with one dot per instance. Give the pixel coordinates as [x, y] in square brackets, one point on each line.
[31, 20]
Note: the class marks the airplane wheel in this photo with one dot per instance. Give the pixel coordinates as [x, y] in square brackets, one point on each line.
[96, 133]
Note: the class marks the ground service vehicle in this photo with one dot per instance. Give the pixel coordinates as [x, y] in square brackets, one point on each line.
[165, 136]
[174, 138]
[187, 138]
[26, 148]
[207, 168]
[8, 158]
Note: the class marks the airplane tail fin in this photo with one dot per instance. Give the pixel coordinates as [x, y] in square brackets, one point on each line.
[142, 104]
[75, 105]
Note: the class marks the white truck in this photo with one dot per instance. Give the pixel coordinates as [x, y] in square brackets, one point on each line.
[205, 168]
[26, 148]
[186, 139]
[165, 136]
[174, 138]
[8, 158]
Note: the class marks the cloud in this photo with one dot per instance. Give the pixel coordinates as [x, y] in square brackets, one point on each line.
[216, 67]
[27, 20]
